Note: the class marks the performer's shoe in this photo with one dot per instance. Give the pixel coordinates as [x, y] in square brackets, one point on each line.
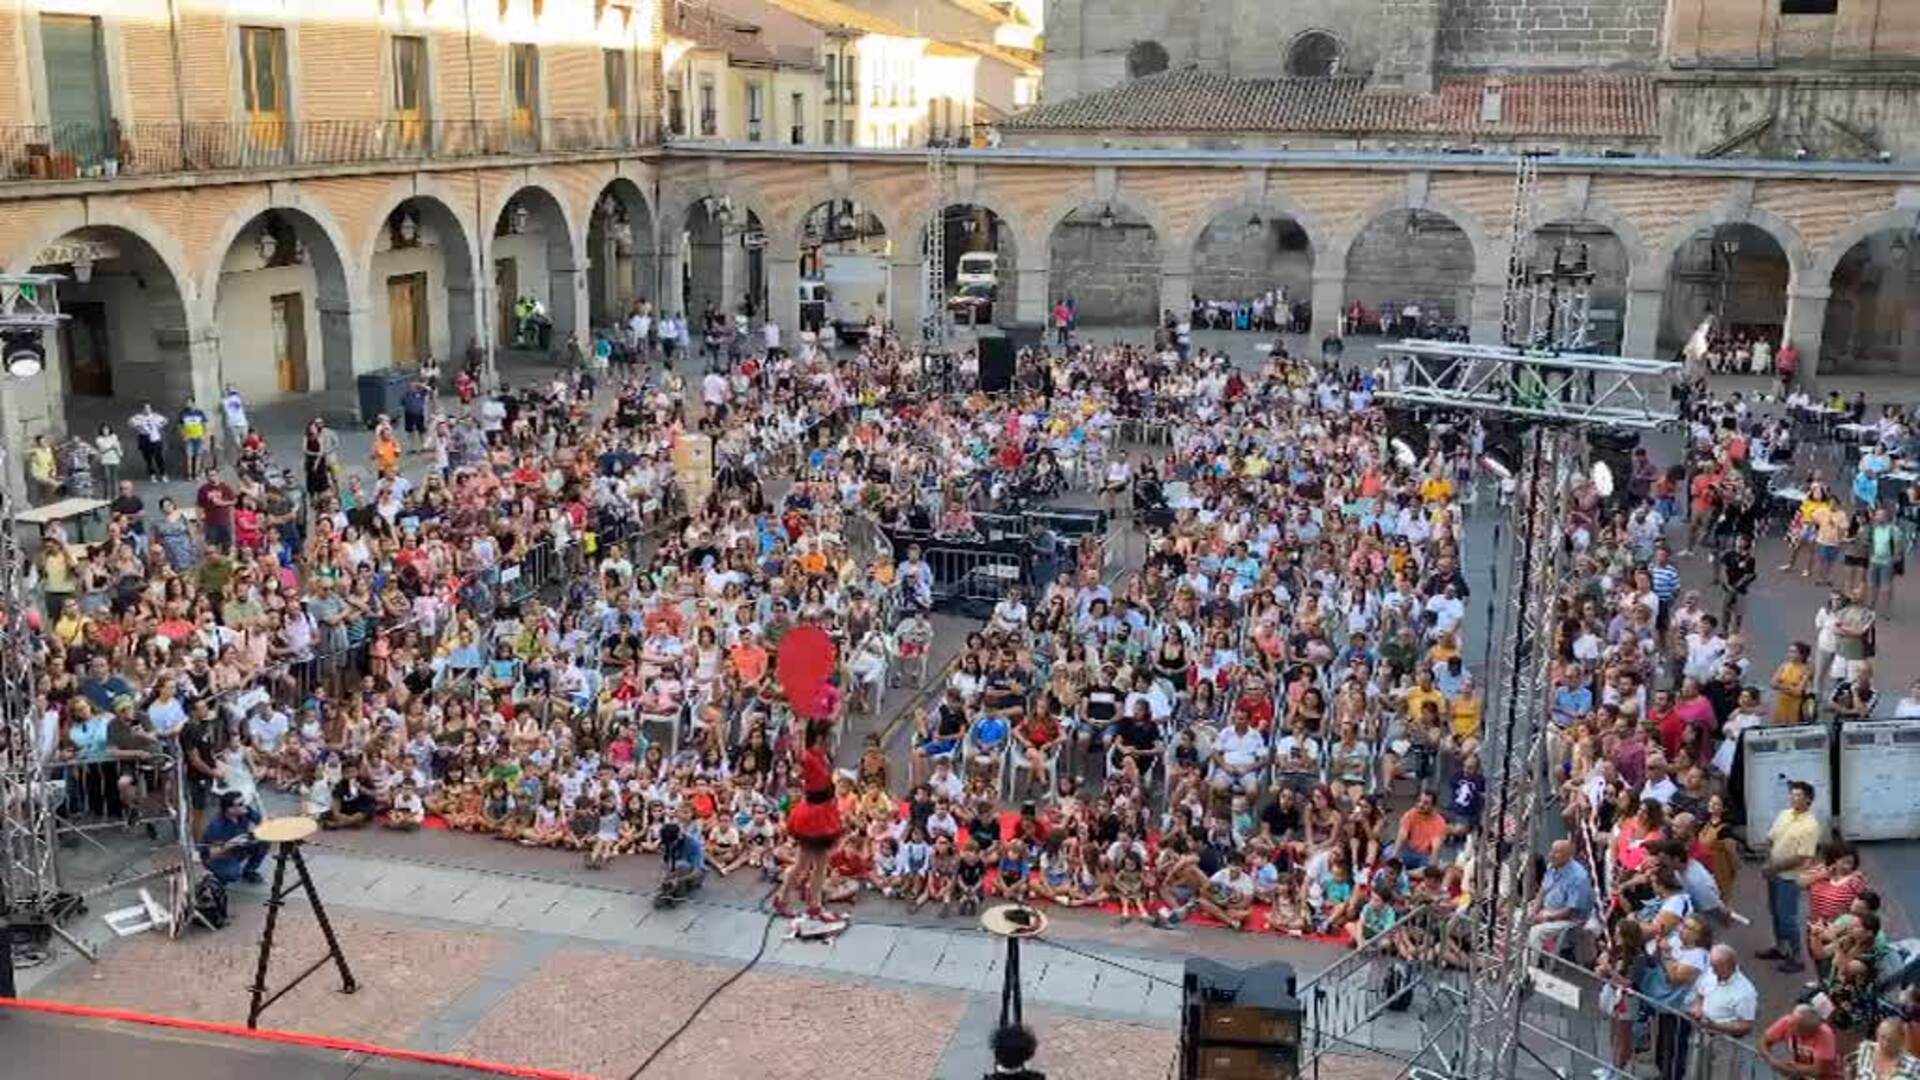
[821, 914]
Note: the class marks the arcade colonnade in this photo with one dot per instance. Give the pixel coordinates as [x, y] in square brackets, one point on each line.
[294, 283]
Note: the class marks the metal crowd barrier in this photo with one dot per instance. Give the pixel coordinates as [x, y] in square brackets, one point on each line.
[972, 575]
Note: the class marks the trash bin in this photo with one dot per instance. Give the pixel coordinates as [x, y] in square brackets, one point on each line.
[380, 393]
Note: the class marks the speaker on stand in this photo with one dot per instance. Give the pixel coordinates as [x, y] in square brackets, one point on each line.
[1239, 1023]
[996, 363]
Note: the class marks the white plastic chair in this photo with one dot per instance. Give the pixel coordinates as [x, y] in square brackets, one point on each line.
[1017, 764]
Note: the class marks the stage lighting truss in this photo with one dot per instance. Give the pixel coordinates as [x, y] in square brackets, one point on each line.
[1575, 388]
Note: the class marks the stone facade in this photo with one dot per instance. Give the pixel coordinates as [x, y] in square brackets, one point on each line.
[1511, 34]
[1112, 274]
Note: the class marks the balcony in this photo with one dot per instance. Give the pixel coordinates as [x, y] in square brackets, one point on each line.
[39, 152]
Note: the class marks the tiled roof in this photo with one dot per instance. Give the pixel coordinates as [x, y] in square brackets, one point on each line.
[1192, 100]
[710, 29]
[833, 14]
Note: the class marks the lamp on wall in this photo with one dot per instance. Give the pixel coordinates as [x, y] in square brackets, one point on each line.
[1107, 218]
[82, 270]
[266, 245]
[1256, 224]
[519, 218]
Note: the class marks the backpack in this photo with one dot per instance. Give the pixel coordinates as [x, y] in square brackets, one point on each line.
[210, 901]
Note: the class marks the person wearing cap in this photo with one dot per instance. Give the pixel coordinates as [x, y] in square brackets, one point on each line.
[228, 847]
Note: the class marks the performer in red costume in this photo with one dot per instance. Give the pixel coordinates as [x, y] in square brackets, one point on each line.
[814, 823]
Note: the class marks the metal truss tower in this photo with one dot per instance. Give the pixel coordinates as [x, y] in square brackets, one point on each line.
[1514, 306]
[933, 276]
[1551, 397]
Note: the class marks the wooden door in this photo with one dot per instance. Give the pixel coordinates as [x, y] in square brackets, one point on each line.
[290, 342]
[407, 319]
[506, 289]
[83, 341]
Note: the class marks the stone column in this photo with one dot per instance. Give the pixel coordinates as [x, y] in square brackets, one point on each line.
[733, 274]
[346, 345]
[1328, 298]
[1032, 303]
[1640, 333]
[568, 302]
[1176, 290]
[1487, 317]
[783, 293]
[668, 266]
[904, 284]
[1806, 324]
[463, 322]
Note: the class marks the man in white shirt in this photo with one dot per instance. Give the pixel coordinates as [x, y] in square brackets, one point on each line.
[770, 335]
[713, 391]
[1239, 755]
[1705, 650]
[1010, 614]
[1446, 610]
[1724, 999]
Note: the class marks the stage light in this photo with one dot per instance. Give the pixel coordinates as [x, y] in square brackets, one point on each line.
[23, 353]
[1602, 477]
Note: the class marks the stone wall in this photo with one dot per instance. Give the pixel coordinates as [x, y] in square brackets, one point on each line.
[1832, 117]
[1875, 310]
[1113, 274]
[1229, 263]
[1479, 34]
[1432, 267]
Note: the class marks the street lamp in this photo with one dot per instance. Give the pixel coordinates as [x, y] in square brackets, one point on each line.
[1107, 218]
[1256, 224]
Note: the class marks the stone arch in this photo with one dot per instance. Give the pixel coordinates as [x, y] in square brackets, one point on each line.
[892, 217]
[721, 276]
[447, 319]
[298, 203]
[1489, 251]
[1081, 198]
[1828, 261]
[622, 264]
[1412, 258]
[1029, 250]
[1872, 314]
[1273, 203]
[245, 292]
[75, 215]
[1779, 228]
[1599, 213]
[128, 336]
[1103, 278]
[554, 271]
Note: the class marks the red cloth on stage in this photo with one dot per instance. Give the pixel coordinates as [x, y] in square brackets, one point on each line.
[812, 819]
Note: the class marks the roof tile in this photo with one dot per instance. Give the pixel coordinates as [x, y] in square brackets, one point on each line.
[1188, 99]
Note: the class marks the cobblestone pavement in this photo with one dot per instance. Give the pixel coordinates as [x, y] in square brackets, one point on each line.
[406, 974]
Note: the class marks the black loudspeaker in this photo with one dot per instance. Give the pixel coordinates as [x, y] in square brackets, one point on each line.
[1239, 1023]
[996, 364]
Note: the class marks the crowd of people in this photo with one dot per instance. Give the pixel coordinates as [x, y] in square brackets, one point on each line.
[1272, 723]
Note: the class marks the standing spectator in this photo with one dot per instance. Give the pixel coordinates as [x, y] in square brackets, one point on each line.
[1737, 574]
[414, 402]
[193, 437]
[149, 425]
[109, 452]
[233, 408]
[1725, 1001]
[1792, 842]
[40, 470]
[1888, 542]
[1785, 364]
[1802, 1044]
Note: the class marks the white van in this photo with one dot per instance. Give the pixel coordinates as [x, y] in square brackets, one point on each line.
[978, 268]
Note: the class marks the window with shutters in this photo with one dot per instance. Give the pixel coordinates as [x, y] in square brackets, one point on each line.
[797, 131]
[614, 63]
[526, 96]
[756, 103]
[410, 94]
[79, 110]
[263, 86]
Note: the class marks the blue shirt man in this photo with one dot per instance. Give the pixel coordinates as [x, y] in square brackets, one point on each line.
[1566, 897]
[228, 860]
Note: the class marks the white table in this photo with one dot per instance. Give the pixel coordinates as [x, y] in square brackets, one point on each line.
[42, 516]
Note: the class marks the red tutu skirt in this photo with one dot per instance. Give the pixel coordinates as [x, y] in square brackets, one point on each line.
[816, 821]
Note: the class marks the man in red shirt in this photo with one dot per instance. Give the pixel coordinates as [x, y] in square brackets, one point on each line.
[1802, 1044]
[1256, 705]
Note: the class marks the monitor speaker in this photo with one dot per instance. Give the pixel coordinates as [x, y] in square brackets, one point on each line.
[1239, 1023]
[996, 364]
